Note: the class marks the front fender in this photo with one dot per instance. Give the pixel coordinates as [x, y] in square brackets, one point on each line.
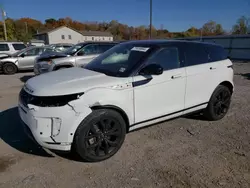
[122, 99]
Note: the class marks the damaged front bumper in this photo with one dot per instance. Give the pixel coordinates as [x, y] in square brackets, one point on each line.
[52, 127]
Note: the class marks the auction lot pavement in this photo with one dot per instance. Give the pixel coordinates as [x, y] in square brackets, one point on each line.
[185, 152]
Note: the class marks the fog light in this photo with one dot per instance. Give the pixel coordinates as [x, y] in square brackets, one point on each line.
[56, 126]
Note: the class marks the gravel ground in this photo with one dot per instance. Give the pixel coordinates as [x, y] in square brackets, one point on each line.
[185, 152]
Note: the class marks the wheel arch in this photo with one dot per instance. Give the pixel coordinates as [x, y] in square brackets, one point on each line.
[115, 108]
[228, 84]
[5, 62]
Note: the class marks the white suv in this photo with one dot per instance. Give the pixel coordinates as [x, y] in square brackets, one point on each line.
[10, 47]
[132, 85]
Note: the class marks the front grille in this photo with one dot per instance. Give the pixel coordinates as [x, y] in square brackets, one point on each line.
[46, 101]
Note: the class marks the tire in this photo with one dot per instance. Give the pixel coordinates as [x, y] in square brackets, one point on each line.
[100, 135]
[9, 68]
[219, 103]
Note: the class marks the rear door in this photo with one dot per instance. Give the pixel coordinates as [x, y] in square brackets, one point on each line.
[201, 75]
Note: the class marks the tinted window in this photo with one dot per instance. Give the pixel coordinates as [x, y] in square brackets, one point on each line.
[195, 54]
[104, 47]
[18, 46]
[168, 58]
[216, 53]
[4, 47]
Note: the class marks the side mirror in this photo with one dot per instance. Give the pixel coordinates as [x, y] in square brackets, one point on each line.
[152, 69]
[81, 53]
[22, 55]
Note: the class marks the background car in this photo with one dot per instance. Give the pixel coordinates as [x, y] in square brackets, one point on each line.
[11, 47]
[22, 60]
[76, 56]
[60, 47]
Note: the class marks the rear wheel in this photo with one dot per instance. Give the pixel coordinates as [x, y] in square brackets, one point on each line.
[9, 68]
[100, 135]
[219, 103]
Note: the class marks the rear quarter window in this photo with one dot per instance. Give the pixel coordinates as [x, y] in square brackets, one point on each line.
[216, 53]
[4, 47]
[195, 54]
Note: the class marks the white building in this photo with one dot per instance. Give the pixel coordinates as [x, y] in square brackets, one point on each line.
[65, 34]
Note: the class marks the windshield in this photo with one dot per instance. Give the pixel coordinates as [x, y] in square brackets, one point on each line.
[73, 49]
[120, 60]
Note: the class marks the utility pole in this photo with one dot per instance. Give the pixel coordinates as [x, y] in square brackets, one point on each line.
[150, 25]
[4, 25]
[201, 35]
[26, 27]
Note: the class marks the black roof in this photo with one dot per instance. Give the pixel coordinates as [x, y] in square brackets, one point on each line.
[156, 42]
[98, 42]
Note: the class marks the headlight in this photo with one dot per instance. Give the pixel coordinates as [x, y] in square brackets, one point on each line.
[46, 64]
[50, 101]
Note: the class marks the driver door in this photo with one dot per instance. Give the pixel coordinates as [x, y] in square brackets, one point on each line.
[86, 54]
[160, 96]
[27, 59]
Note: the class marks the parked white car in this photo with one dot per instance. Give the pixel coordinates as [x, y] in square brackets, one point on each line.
[10, 47]
[132, 85]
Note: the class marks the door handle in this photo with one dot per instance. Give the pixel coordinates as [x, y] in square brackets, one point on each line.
[175, 76]
[212, 68]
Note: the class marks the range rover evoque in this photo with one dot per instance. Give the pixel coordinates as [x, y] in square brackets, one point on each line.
[132, 85]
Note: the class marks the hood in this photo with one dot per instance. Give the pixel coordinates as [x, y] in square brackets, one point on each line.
[9, 59]
[51, 55]
[3, 55]
[68, 81]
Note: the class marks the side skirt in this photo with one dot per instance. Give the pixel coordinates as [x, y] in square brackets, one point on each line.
[167, 116]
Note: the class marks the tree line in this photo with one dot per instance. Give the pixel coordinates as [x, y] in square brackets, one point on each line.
[23, 29]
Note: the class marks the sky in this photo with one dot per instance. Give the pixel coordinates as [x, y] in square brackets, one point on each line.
[172, 15]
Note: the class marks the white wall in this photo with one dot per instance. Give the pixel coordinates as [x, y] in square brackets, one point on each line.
[37, 43]
[97, 38]
[56, 36]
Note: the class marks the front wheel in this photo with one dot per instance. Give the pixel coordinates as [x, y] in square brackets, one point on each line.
[219, 103]
[9, 68]
[100, 135]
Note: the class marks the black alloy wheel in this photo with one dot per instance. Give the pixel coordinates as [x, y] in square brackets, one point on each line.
[222, 102]
[219, 103]
[100, 135]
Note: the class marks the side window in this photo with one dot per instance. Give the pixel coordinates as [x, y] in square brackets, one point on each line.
[4, 47]
[196, 54]
[17, 46]
[104, 47]
[89, 49]
[63, 37]
[32, 52]
[168, 58]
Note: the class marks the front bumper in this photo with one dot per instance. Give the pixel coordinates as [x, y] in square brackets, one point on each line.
[41, 124]
[41, 68]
